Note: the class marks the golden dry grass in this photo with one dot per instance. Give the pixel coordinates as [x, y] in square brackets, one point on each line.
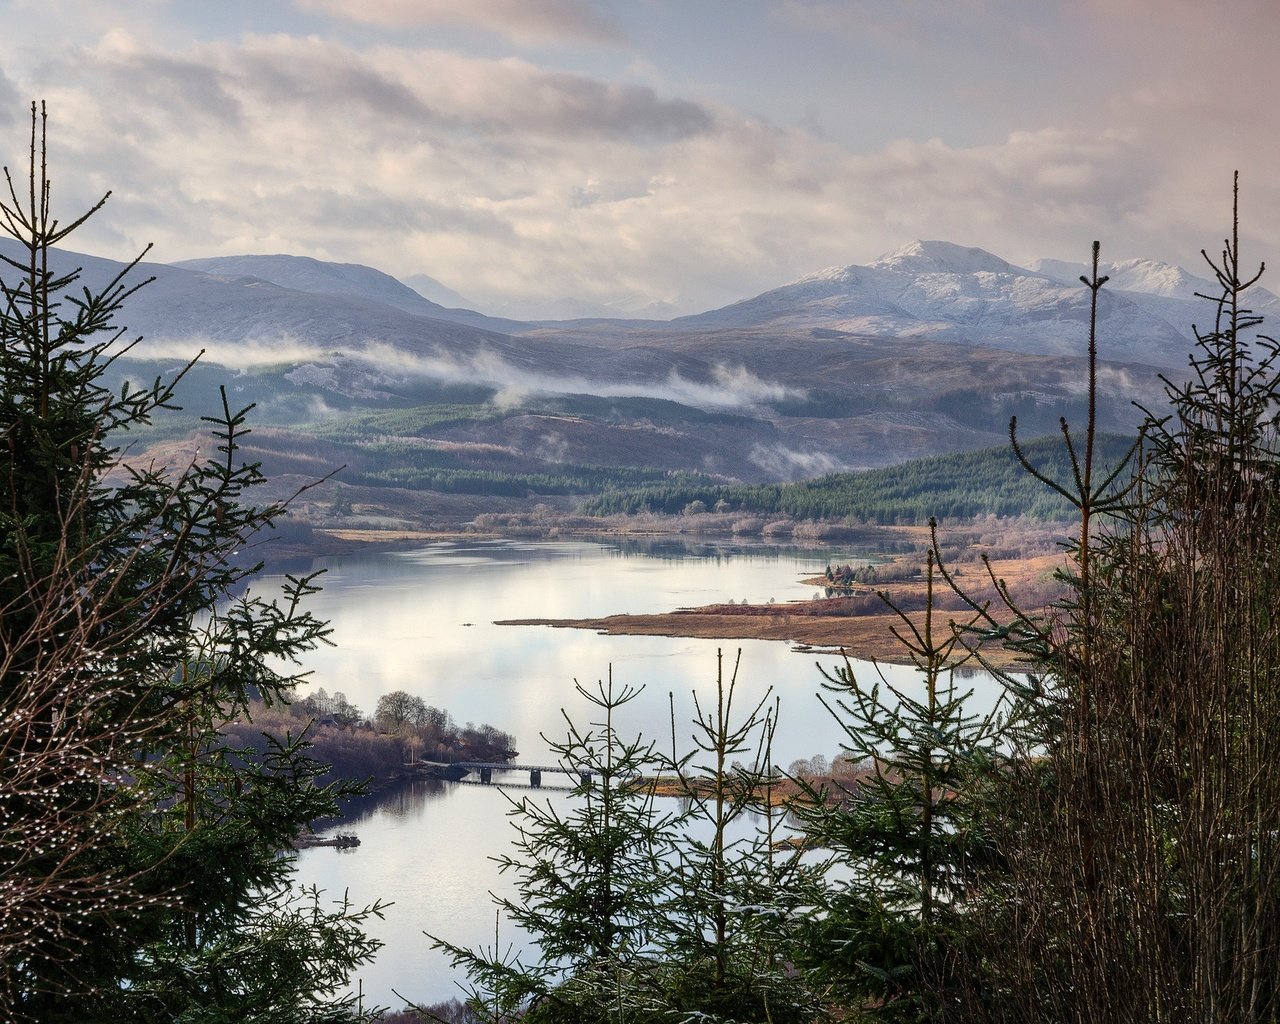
[862, 626]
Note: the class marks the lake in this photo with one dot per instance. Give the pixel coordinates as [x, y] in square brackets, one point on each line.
[422, 621]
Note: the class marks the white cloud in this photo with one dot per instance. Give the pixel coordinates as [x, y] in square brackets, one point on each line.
[522, 182]
[783, 463]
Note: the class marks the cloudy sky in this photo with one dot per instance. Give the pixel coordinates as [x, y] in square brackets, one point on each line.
[685, 153]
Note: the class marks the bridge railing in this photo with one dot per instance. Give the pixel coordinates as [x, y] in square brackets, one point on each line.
[487, 768]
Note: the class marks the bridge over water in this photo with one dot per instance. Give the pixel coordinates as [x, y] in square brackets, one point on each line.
[456, 770]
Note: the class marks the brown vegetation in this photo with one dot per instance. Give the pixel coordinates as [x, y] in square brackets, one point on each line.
[359, 750]
[781, 792]
[985, 555]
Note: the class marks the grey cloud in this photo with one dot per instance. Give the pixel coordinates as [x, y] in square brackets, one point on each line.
[516, 98]
[217, 82]
[523, 21]
[576, 105]
[190, 85]
[416, 91]
[10, 100]
[329, 77]
[614, 191]
[337, 213]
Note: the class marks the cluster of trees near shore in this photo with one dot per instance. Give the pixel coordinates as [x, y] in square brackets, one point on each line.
[355, 747]
[1105, 848]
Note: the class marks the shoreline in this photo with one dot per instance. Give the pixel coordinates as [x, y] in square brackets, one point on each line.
[859, 626]
[866, 637]
[855, 623]
[331, 538]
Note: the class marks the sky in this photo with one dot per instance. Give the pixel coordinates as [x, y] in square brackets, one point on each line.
[659, 156]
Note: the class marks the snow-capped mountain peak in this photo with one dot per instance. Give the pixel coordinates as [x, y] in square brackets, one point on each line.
[1149, 277]
[948, 292]
[1155, 278]
[934, 257]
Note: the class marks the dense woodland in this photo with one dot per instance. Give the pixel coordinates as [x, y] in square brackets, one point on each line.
[1105, 848]
[963, 486]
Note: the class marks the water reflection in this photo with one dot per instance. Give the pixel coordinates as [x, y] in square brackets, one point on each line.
[408, 800]
[423, 621]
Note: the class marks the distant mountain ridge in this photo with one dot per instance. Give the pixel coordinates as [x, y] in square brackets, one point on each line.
[943, 291]
[932, 290]
[304, 274]
[929, 349]
[1147, 277]
[441, 294]
[353, 280]
[1165, 290]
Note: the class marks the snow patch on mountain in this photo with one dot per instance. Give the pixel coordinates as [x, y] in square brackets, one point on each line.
[935, 257]
[1165, 291]
[947, 292]
[1150, 277]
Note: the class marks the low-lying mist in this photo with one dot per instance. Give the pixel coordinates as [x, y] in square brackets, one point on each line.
[729, 387]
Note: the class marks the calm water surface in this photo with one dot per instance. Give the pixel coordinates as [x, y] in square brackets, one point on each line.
[422, 621]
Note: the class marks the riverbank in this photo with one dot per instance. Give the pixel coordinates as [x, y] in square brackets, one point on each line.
[860, 624]
[331, 539]
[782, 793]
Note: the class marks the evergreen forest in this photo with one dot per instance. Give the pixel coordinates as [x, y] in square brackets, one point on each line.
[965, 485]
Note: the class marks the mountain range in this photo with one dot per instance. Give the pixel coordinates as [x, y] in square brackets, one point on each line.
[930, 348]
[947, 292]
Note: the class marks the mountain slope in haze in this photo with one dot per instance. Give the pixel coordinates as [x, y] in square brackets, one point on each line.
[943, 291]
[441, 294]
[304, 274]
[245, 321]
[289, 350]
[352, 280]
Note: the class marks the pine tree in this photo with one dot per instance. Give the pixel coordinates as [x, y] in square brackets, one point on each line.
[133, 847]
[737, 890]
[1141, 822]
[589, 882]
[909, 829]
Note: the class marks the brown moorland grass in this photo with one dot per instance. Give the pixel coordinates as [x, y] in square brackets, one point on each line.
[861, 624]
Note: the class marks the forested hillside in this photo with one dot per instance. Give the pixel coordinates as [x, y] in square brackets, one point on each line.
[985, 482]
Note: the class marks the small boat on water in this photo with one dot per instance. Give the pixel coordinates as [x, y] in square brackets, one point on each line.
[342, 840]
